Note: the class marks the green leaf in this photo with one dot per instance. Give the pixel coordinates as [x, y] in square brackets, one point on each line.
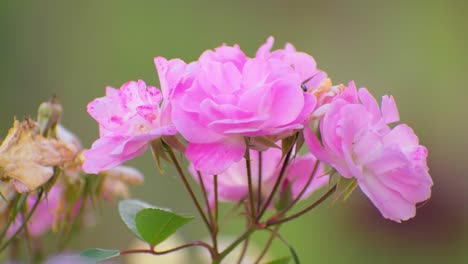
[94, 255]
[128, 210]
[284, 260]
[155, 225]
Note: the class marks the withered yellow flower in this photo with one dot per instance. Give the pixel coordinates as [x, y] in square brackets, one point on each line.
[27, 159]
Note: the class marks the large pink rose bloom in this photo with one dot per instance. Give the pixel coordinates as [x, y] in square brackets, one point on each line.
[388, 163]
[226, 96]
[233, 183]
[128, 119]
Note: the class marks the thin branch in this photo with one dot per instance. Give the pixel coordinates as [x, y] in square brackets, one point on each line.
[205, 197]
[273, 221]
[244, 250]
[154, 252]
[277, 184]
[246, 242]
[234, 244]
[216, 198]
[259, 184]
[249, 178]
[187, 186]
[214, 232]
[25, 220]
[16, 203]
[299, 196]
[267, 246]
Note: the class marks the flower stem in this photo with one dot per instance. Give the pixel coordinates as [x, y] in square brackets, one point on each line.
[205, 197]
[214, 232]
[17, 203]
[244, 250]
[187, 186]
[267, 246]
[273, 221]
[25, 220]
[234, 244]
[249, 178]
[154, 252]
[277, 184]
[259, 184]
[246, 241]
[299, 196]
[216, 198]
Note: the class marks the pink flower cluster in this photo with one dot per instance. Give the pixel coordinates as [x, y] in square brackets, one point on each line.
[225, 100]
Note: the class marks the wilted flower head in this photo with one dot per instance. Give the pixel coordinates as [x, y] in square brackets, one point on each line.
[128, 119]
[388, 163]
[27, 159]
[226, 96]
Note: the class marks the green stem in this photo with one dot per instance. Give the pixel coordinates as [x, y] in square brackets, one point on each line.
[259, 184]
[17, 203]
[249, 178]
[234, 244]
[205, 197]
[267, 246]
[154, 252]
[216, 214]
[243, 251]
[25, 221]
[246, 241]
[187, 186]
[276, 186]
[299, 196]
[215, 182]
[273, 221]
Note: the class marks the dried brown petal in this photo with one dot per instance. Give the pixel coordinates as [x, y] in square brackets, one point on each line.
[27, 159]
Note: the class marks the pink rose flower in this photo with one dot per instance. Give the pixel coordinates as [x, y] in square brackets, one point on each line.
[388, 163]
[226, 96]
[128, 119]
[233, 183]
[301, 62]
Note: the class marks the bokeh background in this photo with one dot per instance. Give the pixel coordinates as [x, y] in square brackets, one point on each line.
[414, 50]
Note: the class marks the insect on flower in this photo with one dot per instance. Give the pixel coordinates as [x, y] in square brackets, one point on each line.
[303, 84]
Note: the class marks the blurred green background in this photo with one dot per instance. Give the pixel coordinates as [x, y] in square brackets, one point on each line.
[414, 50]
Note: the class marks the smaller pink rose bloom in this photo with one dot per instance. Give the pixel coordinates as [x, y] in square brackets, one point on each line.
[233, 182]
[388, 163]
[128, 119]
[226, 96]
